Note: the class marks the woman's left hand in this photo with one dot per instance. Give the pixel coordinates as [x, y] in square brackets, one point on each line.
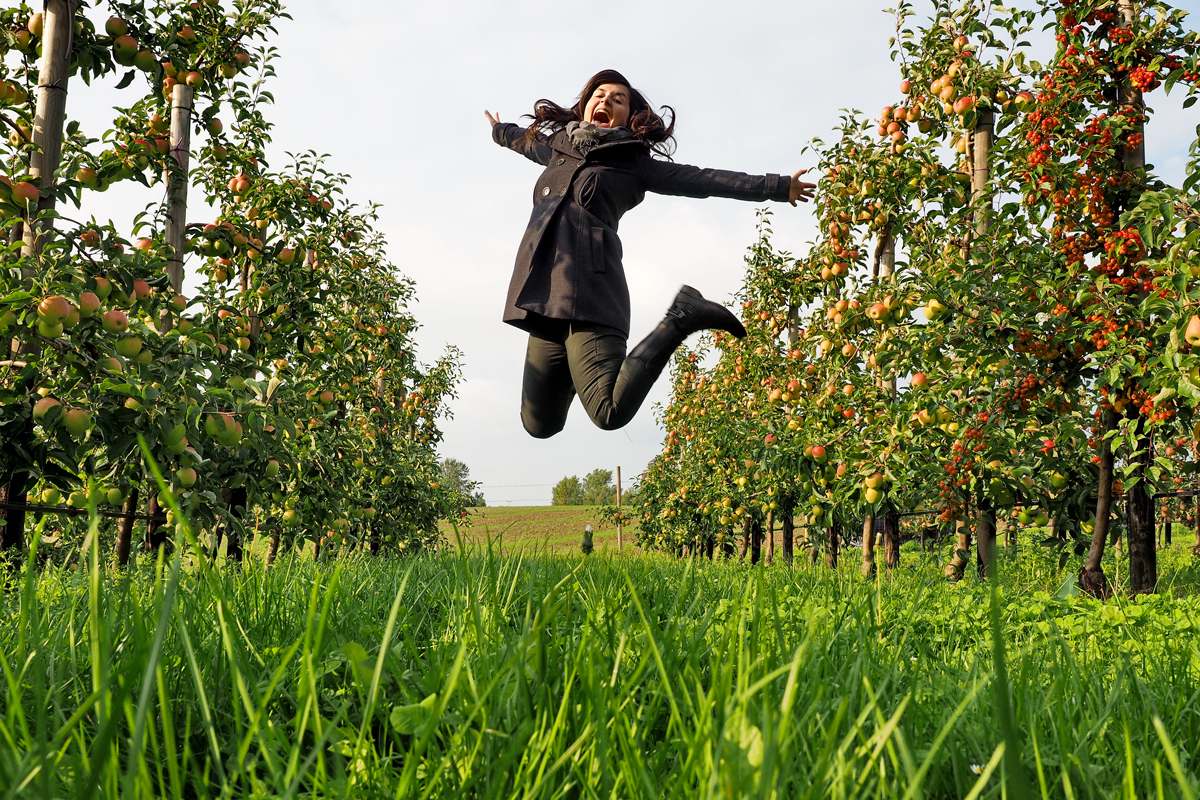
[800, 192]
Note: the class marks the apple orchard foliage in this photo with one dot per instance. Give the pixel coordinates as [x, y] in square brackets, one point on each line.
[290, 373]
[1007, 343]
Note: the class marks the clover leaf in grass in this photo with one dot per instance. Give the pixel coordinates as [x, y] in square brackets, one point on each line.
[411, 718]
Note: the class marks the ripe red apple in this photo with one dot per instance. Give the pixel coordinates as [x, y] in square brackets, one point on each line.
[53, 309]
[125, 49]
[187, 34]
[24, 192]
[89, 303]
[115, 321]
[905, 87]
[116, 27]
[919, 379]
[141, 290]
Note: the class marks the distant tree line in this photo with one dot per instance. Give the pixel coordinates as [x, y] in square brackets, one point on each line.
[596, 489]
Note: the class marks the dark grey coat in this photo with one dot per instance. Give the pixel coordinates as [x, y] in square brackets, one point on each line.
[569, 263]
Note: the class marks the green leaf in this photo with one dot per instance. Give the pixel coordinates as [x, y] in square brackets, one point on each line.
[410, 719]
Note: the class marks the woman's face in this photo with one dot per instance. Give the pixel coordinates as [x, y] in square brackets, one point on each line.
[608, 107]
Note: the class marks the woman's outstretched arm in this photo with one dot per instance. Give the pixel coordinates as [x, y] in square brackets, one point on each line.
[664, 177]
[506, 134]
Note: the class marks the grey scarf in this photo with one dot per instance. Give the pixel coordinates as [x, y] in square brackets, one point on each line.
[584, 135]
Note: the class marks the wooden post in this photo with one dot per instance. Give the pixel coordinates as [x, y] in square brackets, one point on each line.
[49, 116]
[620, 536]
[177, 181]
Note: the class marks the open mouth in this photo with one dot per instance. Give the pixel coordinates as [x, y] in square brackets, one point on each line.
[600, 118]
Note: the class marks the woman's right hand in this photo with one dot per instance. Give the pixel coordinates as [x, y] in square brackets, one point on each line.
[493, 120]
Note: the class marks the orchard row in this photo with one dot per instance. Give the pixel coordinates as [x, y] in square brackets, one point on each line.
[281, 394]
[996, 324]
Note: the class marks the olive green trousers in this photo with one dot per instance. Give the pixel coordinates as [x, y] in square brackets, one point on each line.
[568, 358]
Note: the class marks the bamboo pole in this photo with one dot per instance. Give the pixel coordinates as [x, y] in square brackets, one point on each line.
[620, 536]
[49, 116]
[177, 181]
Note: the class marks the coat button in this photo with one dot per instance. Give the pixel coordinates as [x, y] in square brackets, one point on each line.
[562, 192]
[545, 191]
[562, 161]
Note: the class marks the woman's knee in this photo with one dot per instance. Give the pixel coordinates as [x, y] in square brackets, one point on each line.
[541, 428]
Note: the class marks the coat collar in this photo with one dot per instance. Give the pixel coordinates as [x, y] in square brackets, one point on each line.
[562, 143]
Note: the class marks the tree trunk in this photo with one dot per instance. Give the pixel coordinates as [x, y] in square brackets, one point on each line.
[12, 535]
[1091, 577]
[1143, 556]
[832, 542]
[754, 531]
[868, 546]
[891, 539]
[1196, 522]
[1004, 529]
[788, 531]
[237, 507]
[125, 529]
[745, 538]
[962, 550]
[156, 532]
[1168, 531]
[272, 545]
[709, 546]
[727, 545]
[985, 542]
[771, 537]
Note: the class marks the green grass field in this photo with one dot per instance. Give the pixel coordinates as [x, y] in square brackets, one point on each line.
[476, 674]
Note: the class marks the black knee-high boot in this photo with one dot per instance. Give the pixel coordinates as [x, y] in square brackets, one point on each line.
[688, 314]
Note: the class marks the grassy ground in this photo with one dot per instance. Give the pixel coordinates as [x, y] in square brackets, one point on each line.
[476, 674]
[553, 529]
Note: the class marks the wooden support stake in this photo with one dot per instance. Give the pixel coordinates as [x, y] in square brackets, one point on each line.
[620, 537]
[49, 116]
[177, 181]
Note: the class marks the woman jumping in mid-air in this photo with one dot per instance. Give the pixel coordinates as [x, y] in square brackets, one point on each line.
[568, 288]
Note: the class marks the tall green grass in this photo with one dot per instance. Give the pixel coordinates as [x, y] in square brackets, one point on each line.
[477, 675]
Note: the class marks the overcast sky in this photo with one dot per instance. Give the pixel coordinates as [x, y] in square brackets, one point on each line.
[395, 93]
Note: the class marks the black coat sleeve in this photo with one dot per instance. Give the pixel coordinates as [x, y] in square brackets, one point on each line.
[512, 136]
[665, 177]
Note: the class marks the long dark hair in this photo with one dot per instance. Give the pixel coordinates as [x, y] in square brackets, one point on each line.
[647, 126]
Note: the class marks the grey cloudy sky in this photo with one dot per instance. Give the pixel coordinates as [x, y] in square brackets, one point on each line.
[395, 92]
